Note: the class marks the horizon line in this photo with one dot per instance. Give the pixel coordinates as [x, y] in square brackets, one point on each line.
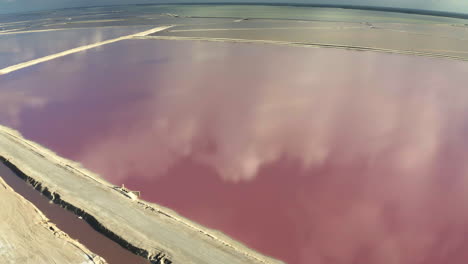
[338, 6]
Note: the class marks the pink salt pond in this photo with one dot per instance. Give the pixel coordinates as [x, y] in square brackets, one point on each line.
[307, 155]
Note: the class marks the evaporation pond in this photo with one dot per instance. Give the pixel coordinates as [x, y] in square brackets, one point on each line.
[308, 155]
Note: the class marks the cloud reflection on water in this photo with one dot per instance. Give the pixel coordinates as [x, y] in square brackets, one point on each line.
[380, 138]
[238, 117]
[321, 156]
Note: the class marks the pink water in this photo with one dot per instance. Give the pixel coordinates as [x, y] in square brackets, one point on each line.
[307, 155]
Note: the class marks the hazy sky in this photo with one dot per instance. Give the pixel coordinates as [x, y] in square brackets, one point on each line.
[8, 6]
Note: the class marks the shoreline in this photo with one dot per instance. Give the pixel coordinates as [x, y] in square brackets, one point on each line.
[305, 45]
[146, 229]
[26, 64]
[27, 234]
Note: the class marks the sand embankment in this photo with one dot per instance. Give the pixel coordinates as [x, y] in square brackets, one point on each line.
[307, 45]
[27, 236]
[146, 229]
[78, 49]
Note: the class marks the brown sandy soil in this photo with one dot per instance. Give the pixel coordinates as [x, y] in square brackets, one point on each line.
[27, 236]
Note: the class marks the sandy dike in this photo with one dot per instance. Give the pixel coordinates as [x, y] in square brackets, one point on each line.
[146, 229]
[27, 236]
[78, 49]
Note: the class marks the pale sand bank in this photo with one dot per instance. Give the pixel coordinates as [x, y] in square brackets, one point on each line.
[146, 229]
[27, 236]
[78, 49]
[308, 45]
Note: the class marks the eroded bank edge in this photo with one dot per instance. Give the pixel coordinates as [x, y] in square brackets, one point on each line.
[161, 257]
[92, 221]
[48, 225]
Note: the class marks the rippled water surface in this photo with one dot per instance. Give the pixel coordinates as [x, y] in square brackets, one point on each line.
[308, 155]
